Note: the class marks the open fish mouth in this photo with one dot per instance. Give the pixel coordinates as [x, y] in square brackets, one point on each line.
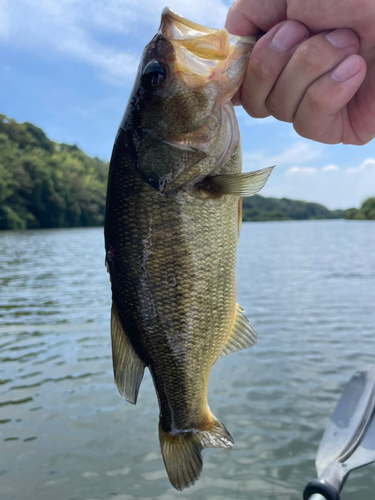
[185, 126]
[206, 54]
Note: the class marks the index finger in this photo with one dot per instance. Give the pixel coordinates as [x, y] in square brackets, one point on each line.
[249, 17]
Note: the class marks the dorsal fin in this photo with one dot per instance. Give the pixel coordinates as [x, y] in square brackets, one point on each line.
[241, 336]
[128, 368]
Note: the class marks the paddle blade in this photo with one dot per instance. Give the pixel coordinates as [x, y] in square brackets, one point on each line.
[349, 421]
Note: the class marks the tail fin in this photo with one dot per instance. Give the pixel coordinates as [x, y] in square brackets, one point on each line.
[182, 451]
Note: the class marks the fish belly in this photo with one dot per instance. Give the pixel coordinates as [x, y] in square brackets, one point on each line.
[172, 262]
[173, 283]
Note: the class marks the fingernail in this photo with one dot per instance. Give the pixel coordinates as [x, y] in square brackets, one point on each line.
[290, 34]
[342, 38]
[347, 69]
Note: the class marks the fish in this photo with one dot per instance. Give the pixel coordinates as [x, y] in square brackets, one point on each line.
[172, 224]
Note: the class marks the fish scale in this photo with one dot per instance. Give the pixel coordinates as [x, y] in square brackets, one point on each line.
[171, 231]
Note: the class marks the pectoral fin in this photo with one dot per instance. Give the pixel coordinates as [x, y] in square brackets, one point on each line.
[241, 184]
[128, 368]
[241, 336]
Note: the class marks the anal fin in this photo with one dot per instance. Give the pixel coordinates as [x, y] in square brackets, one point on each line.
[128, 368]
[241, 336]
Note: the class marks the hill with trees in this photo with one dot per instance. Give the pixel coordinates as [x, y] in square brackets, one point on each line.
[258, 208]
[365, 212]
[44, 184]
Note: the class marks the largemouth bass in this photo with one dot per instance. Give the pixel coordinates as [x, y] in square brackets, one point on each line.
[171, 232]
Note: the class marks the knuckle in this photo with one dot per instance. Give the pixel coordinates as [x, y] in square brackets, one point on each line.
[261, 68]
[314, 132]
[259, 113]
[311, 124]
[306, 12]
[304, 125]
[314, 100]
[310, 56]
[254, 108]
[301, 129]
[297, 10]
[276, 109]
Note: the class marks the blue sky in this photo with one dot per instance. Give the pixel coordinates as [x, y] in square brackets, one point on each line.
[68, 66]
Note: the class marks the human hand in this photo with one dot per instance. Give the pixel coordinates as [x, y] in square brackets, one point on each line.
[310, 66]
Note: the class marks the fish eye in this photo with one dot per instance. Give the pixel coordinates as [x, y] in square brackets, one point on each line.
[154, 73]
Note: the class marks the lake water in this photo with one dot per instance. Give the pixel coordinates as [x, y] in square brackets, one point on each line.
[308, 289]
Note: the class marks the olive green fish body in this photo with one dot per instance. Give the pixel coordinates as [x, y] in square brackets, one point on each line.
[173, 283]
[172, 224]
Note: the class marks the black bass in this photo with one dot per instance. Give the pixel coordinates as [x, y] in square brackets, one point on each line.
[171, 232]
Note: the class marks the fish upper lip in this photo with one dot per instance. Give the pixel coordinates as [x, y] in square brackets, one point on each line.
[167, 12]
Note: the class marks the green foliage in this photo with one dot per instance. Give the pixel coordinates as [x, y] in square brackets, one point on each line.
[263, 209]
[366, 211]
[351, 213]
[45, 184]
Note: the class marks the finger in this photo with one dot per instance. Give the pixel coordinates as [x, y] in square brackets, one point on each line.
[312, 59]
[248, 17]
[326, 15]
[361, 110]
[322, 114]
[267, 61]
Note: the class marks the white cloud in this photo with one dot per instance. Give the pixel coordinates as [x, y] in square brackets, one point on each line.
[367, 165]
[330, 168]
[82, 29]
[311, 170]
[298, 152]
[330, 185]
[301, 171]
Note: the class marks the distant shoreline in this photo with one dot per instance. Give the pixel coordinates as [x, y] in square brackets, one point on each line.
[259, 208]
[46, 185]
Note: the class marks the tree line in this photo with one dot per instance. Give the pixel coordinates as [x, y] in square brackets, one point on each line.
[258, 208]
[44, 184]
[365, 212]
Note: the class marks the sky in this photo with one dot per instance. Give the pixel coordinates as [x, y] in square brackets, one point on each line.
[68, 67]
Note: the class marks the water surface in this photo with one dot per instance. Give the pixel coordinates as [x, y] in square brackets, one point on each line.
[308, 288]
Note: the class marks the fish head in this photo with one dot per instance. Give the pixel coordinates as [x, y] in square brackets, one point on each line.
[180, 105]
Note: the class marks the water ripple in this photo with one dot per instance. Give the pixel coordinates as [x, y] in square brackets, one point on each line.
[307, 288]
